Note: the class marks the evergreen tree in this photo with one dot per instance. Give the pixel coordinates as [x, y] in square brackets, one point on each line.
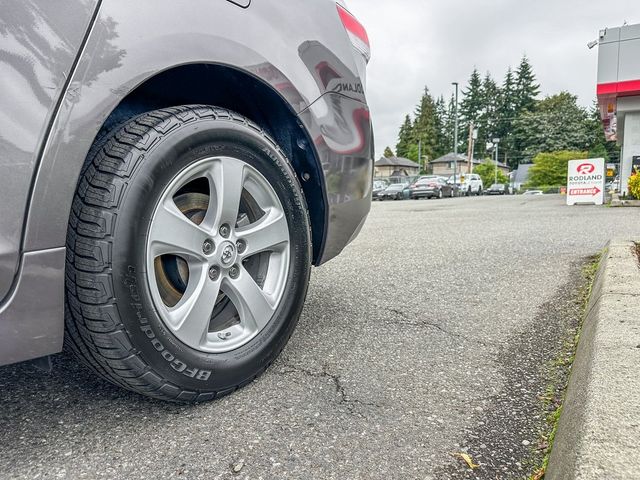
[445, 140]
[425, 126]
[405, 138]
[526, 87]
[472, 101]
[487, 121]
[506, 113]
[388, 153]
[449, 126]
[507, 103]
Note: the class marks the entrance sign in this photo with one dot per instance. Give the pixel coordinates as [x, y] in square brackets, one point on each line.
[585, 182]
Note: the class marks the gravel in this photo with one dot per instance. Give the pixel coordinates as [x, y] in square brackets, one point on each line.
[407, 353]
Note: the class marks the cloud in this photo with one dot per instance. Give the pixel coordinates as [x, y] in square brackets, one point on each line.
[433, 43]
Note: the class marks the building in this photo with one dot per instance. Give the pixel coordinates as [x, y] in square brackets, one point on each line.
[520, 176]
[396, 167]
[619, 93]
[445, 165]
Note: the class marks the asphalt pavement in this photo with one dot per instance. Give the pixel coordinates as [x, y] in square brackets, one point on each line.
[424, 339]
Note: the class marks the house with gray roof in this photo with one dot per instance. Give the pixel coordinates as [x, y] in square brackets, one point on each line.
[396, 167]
[445, 165]
[521, 175]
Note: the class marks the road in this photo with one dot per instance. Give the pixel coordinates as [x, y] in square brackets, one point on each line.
[425, 338]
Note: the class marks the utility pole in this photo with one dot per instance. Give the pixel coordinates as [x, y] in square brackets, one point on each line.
[496, 142]
[470, 149]
[473, 145]
[455, 138]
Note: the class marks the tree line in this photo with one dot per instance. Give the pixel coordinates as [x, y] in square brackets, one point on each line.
[511, 111]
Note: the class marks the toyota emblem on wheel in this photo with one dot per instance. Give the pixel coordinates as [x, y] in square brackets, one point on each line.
[227, 254]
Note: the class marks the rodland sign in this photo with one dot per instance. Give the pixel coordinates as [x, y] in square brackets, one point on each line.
[585, 182]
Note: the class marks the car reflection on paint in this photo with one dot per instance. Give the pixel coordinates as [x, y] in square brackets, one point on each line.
[379, 186]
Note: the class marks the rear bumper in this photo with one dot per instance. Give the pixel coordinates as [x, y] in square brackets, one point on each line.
[424, 193]
[341, 131]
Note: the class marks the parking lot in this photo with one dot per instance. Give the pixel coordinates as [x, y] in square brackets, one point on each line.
[425, 338]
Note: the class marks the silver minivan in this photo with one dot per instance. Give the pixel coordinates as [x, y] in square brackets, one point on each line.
[166, 184]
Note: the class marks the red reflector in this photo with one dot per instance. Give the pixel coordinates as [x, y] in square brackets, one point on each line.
[352, 25]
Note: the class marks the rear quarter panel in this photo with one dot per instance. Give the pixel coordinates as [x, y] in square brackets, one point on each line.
[132, 41]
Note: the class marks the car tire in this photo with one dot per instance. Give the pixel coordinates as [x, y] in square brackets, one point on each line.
[439, 193]
[117, 278]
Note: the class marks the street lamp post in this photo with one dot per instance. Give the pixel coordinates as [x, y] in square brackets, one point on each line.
[496, 142]
[455, 138]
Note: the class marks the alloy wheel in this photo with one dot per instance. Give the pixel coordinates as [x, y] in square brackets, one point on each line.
[218, 253]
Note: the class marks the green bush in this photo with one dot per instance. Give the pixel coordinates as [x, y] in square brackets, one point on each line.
[487, 172]
[551, 168]
[634, 186]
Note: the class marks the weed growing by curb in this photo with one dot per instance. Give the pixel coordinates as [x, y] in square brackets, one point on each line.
[558, 371]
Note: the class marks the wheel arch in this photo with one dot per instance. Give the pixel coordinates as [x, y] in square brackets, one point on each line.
[239, 91]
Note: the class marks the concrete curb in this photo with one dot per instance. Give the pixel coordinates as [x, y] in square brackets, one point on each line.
[599, 430]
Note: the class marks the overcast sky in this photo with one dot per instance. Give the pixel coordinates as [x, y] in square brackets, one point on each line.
[428, 42]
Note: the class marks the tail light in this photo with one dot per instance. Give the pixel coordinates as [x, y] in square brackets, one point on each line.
[357, 33]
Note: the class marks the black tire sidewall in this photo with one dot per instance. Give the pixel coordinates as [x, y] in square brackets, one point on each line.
[158, 347]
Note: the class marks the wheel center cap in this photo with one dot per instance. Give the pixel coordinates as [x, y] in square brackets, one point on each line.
[228, 255]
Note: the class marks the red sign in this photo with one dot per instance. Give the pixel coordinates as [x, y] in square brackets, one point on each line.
[584, 191]
[586, 168]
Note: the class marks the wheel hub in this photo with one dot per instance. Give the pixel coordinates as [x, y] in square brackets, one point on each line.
[228, 253]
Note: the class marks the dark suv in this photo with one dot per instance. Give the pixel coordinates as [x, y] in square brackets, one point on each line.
[169, 172]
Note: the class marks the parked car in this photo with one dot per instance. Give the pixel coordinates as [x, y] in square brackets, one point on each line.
[467, 184]
[533, 192]
[436, 187]
[394, 191]
[497, 189]
[378, 187]
[429, 177]
[613, 185]
[165, 187]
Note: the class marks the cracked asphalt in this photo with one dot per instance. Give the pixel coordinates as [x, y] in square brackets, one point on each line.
[427, 337]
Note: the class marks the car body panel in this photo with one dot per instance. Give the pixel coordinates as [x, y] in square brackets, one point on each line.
[32, 321]
[40, 41]
[301, 51]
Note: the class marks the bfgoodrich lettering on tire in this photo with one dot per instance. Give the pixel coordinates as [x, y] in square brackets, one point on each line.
[188, 254]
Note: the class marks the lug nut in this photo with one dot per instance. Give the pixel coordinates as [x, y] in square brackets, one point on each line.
[214, 273]
[241, 246]
[225, 230]
[208, 246]
[234, 272]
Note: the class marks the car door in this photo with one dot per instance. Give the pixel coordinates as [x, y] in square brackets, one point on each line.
[39, 43]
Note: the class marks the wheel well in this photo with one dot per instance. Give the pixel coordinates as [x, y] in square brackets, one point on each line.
[227, 87]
